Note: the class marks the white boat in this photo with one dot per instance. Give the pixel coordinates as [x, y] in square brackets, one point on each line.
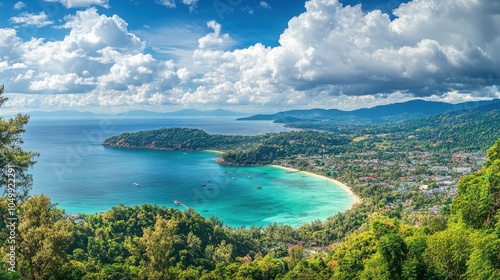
[177, 202]
[137, 184]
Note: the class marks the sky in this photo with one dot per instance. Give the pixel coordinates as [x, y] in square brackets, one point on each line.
[246, 55]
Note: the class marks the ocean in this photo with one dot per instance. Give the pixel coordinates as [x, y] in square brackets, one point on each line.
[82, 176]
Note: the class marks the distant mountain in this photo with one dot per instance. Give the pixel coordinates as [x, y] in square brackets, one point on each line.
[141, 114]
[470, 129]
[213, 113]
[63, 114]
[136, 113]
[380, 114]
[184, 113]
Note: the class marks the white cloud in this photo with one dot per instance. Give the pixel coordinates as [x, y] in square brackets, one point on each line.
[24, 76]
[166, 3]
[18, 66]
[129, 70]
[91, 31]
[332, 51]
[60, 83]
[264, 5]
[191, 4]
[248, 10]
[8, 39]
[4, 65]
[38, 20]
[171, 3]
[329, 56]
[81, 3]
[159, 38]
[359, 53]
[214, 39]
[94, 45]
[19, 5]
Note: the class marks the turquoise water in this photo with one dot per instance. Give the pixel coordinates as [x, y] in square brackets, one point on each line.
[82, 176]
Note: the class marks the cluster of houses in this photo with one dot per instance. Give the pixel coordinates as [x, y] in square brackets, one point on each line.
[420, 181]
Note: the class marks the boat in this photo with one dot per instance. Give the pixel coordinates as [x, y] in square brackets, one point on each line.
[249, 177]
[184, 153]
[137, 184]
[234, 178]
[203, 185]
[177, 202]
[258, 187]
[210, 189]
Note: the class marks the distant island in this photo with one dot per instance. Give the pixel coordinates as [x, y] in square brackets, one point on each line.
[409, 110]
[136, 114]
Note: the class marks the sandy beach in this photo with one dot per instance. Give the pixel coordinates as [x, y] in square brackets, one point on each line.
[214, 151]
[355, 198]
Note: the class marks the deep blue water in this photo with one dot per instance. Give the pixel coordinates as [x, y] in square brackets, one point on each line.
[82, 176]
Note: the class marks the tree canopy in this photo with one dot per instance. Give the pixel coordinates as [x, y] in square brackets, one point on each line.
[12, 156]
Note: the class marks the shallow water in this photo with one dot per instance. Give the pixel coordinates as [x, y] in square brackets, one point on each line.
[82, 176]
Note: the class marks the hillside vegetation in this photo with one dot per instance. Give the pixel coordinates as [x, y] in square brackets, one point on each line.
[151, 242]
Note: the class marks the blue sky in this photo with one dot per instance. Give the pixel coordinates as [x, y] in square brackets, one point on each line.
[246, 55]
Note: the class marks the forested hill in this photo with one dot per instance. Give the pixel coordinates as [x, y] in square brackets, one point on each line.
[379, 114]
[263, 148]
[466, 130]
[475, 129]
[177, 139]
[151, 242]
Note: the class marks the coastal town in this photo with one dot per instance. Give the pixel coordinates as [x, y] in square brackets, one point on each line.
[418, 181]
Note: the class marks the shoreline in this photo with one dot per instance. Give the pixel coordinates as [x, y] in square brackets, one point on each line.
[214, 151]
[356, 199]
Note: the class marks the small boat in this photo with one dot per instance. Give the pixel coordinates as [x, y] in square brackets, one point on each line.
[234, 178]
[184, 153]
[137, 184]
[258, 187]
[249, 177]
[203, 185]
[177, 202]
[210, 189]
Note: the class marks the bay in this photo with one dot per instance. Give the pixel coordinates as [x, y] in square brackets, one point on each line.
[83, 176]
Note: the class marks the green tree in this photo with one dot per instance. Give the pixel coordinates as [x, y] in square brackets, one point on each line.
[414, 266]
[223, 253]
[477, 202]
[44, 237]
[159, 249]
[392, 248]
[484, 262]
[12, 155]
[349, 258]
[448, 251]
